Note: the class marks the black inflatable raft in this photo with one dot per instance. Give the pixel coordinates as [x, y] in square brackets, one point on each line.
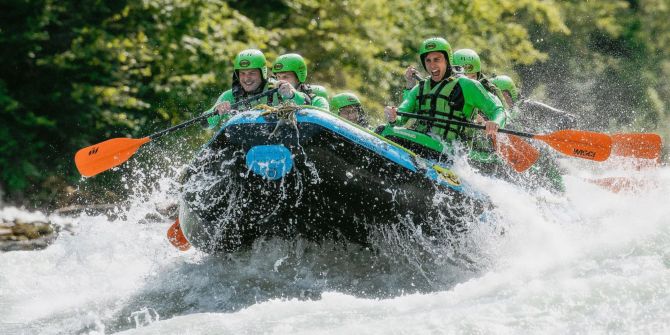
[314, 175]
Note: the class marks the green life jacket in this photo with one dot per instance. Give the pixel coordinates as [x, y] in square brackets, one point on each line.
[455, 98]
[443, 101]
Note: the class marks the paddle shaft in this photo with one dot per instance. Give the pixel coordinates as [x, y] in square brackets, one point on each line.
[212, 113]
[465, 124]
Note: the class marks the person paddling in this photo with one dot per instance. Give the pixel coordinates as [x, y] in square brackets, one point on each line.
[445, 95]
[292, 69]
[250, 77]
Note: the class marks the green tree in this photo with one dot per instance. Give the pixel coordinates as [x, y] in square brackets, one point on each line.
[77, 74]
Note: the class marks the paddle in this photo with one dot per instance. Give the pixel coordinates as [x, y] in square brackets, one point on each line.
[108, 154]
[517, 153]
[576, 143]
[638, 145]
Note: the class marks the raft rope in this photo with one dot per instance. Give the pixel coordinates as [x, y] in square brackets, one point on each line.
[285, 111]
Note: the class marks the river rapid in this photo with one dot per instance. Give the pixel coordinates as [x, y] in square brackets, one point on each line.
[588, 261]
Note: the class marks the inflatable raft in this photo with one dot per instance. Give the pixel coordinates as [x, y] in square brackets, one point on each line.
[305, 172]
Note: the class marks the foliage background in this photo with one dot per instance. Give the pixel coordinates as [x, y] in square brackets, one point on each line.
[78, 72]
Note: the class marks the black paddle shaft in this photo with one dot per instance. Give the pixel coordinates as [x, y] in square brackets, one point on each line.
[462, 123]
[204, 116]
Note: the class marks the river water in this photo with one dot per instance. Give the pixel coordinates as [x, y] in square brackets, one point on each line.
[588, 261]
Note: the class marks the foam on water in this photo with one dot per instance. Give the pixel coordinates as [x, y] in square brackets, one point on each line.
[589, 261]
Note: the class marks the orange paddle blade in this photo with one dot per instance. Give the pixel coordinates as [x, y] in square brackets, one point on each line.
[517, 153]
[176, 236]
[106, 155]
[638, 145]
[578, 143]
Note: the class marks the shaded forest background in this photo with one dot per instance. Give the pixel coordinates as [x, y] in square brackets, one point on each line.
[74, 73]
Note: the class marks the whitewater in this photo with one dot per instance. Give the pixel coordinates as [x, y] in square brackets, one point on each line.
[587, 261]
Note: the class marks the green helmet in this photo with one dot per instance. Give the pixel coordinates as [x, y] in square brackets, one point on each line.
[343, 100]
[469, 60]
[435, 44]
[251, 59]
[505, 83]
[319, 91]
[291, 62]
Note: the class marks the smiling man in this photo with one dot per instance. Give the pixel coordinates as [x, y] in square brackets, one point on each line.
[445, 95]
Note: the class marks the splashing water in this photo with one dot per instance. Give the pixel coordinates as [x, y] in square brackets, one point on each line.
[588, 261]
